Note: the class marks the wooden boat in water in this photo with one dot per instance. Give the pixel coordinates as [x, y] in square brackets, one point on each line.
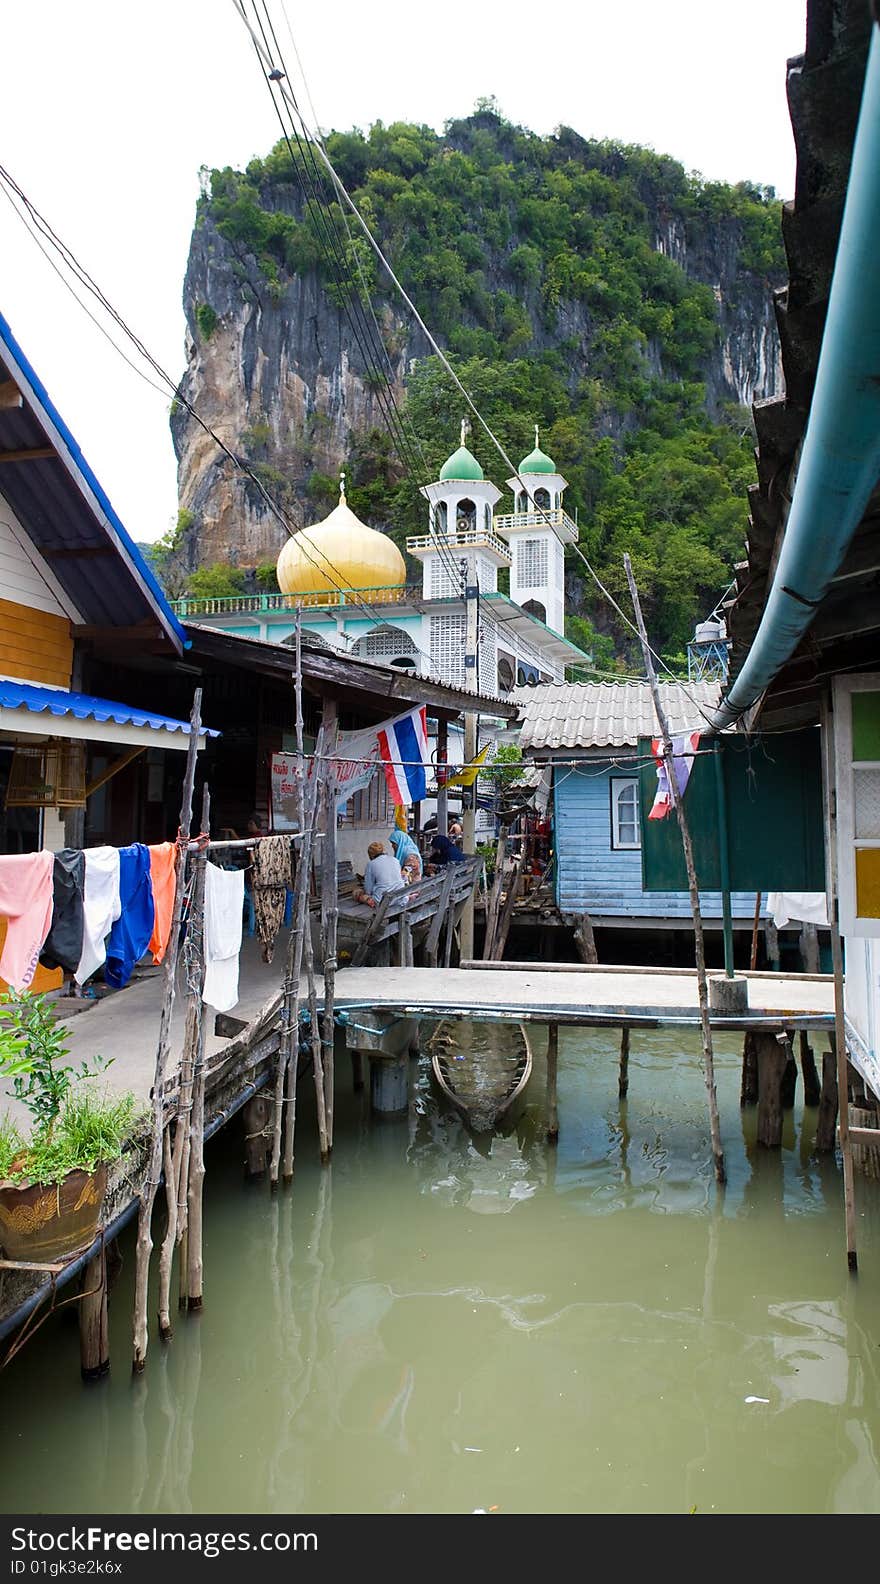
[482, 1082]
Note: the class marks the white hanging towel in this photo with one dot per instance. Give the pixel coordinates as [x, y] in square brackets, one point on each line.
[224, 903]
[804, 907]
[101, 907]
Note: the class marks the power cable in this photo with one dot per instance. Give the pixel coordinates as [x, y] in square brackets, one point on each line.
[345, 196]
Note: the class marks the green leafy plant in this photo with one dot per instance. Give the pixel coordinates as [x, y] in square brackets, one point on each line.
[72, 1126]
[207, 320]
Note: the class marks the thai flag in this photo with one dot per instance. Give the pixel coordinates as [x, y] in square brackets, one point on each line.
[403, 750]
[683, 750]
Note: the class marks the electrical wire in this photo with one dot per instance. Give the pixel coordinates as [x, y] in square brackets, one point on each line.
[345, 197]
[85, 279]
[368, 338]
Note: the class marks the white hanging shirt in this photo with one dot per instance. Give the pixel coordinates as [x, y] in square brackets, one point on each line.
[224, 903]
[101, 907]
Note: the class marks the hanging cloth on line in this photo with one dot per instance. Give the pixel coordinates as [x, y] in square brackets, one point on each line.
[224, 903]
[163, 877]
[26, 902]
[271, 881]
[100, 907]
[130, 935]
[64, 942]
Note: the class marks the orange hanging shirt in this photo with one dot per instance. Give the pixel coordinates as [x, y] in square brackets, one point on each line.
[162, 876]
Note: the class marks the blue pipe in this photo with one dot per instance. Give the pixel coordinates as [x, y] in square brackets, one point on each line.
[840, 458]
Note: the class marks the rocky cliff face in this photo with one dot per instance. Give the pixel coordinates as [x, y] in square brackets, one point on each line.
[275, 371]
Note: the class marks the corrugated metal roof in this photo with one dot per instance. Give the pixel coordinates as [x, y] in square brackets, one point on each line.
[66, 514]
[59, 702]
[607, 714]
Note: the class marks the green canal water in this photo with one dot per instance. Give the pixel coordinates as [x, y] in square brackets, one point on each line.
[432, 1326]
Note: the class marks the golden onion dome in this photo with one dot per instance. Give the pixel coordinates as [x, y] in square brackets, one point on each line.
[340, 552]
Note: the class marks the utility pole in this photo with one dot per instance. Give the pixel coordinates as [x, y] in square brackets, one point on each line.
[678, 807]
[471, 591]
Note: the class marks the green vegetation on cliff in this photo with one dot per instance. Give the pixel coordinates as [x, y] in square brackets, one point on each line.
[544, 265]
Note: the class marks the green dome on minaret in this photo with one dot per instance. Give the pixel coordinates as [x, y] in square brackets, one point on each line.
[462, 464]
[537, 461]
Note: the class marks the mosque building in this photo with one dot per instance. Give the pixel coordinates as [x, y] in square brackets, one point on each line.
[350, 582]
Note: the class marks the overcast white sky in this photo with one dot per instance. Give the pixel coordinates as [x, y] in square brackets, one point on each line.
[108, 109]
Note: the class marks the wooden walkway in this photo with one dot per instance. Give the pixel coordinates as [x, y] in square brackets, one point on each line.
[605, 996]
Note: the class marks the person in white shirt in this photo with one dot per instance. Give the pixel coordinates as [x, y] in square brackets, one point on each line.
[383, 873]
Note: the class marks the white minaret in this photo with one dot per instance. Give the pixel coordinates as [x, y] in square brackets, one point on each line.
[537, 531]
[460, 503]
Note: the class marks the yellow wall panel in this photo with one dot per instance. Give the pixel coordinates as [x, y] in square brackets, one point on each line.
[35, 644]
[868, 882]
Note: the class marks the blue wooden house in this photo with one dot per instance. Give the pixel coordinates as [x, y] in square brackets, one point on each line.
[587, 733]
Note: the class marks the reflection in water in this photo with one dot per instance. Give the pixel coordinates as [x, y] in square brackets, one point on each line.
[442, 1321]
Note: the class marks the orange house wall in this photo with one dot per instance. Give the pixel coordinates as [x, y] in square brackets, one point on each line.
[35, 645]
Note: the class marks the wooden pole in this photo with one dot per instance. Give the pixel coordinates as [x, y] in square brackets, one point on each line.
[148, 1192]
[303, 877]
[826, 1122]
[176, 1156]
[495, 896]
[329, 916]
[812, 1087]
[442, 772]
[623, 1076]
[753, 959]
[194, 1195]
[513, 879]
[843, 1099]
[552, 1074]
[94, 1337]
[699, 946]
[288, 1049]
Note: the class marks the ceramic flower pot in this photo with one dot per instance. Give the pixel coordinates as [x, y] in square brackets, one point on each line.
[42, 1223]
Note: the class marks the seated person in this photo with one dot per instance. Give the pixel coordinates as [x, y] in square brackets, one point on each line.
[382, 874]
[444, 851]
[407, 854]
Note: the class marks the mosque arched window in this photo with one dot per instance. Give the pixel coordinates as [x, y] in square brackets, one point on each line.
[390, 644]
[542, 499]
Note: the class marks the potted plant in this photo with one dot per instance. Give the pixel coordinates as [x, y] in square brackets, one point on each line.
[52, 1182]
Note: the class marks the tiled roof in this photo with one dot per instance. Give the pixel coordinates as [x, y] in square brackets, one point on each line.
[607, 714]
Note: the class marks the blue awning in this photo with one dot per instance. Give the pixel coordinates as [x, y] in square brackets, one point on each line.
[103, 720]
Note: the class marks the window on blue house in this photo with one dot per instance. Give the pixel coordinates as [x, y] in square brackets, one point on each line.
[625, 812]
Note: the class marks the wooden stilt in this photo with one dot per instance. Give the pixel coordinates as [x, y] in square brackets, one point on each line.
[771, 944]
[843, 1100]
[256, 1144]
[865, 1122]
[357, 1071]
[699, 947]
[148, 1192]
[623, 1075]
[552, 1075]
[789, 1077]
[177, 1158]
[826, 1122]
[585, 939]
[772, 1060]
[812, 1088]
[748, 1094]
[94, 1335]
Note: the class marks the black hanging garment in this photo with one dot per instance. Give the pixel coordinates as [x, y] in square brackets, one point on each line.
[64, 943]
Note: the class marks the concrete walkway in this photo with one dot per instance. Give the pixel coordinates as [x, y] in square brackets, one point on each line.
[124, 1025]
